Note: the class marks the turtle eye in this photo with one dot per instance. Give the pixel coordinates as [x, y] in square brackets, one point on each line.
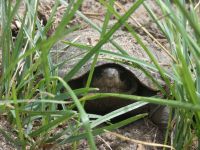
[123, 76]
[97, 73]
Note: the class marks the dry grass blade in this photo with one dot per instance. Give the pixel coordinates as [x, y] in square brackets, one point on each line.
[140, 142]
[197, 5]
[147, 32]
[106, 143]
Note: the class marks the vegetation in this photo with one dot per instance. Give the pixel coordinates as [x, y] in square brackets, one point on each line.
[30, 86]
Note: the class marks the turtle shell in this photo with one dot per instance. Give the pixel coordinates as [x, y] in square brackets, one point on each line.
[72, 55]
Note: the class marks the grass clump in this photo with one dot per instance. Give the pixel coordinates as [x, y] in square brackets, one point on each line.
[30, 85]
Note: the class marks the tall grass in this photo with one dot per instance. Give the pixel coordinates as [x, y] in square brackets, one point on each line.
[30, 86]
[181, 28]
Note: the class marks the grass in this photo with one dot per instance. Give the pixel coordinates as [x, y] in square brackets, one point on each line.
[30, 86]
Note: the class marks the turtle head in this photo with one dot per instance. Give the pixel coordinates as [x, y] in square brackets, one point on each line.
[110, 73]
[113, 79]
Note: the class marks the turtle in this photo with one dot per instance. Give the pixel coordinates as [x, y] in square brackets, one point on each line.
[113, 77]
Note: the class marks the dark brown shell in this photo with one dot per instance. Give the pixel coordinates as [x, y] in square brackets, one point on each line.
[90, 37]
